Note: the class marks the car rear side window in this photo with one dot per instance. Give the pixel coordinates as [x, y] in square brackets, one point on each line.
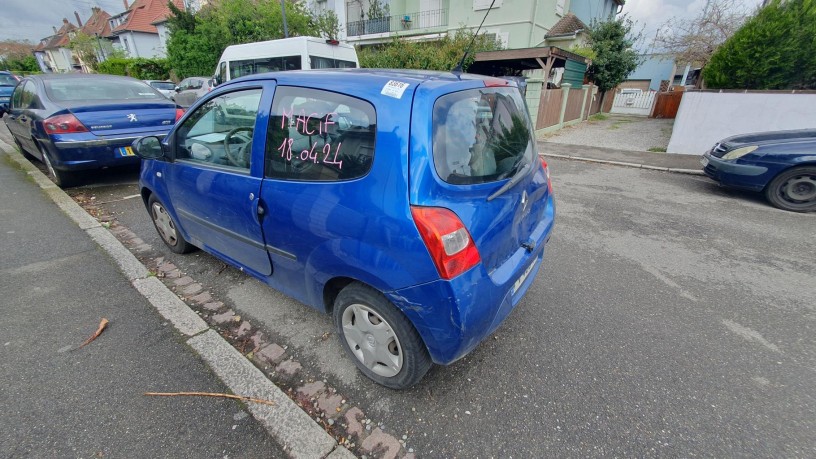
[481, 135]
[329, 63]
[319, 135]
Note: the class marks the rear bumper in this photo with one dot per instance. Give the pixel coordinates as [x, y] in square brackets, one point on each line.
[88, 151]
[453, 317]
[730, 173]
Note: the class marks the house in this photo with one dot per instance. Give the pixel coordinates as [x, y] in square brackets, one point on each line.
[135, 32]
[569, 31]
[589, 11]
[515, 23]
[97, 27]
[53, 52]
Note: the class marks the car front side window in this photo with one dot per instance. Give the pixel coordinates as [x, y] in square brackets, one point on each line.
[220, 131]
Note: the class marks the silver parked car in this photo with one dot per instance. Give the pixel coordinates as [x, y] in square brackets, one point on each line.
[190, 89]
[167, 88]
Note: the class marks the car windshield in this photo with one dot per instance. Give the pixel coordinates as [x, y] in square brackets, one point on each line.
[7, 80]
[165, 85]
[98, 89]
[481, 135]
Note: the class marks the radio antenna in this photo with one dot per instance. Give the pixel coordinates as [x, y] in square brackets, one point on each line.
[458, 68]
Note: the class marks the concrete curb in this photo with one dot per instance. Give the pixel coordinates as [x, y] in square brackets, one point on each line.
[288, 424]
[625, 164]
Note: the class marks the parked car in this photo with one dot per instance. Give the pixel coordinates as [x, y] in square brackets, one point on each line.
[781, 164]
[166, 88]
[75, 122]
[8, 81]
[411, 206]
[191, 89]
[295, 53]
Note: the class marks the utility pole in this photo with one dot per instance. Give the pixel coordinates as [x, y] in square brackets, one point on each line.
[285, 27]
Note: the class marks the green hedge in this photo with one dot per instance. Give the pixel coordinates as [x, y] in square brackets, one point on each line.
[140, 68]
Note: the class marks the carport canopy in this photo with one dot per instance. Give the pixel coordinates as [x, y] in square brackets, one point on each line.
[511, 62]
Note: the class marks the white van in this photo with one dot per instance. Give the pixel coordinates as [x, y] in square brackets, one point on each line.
[294, 53]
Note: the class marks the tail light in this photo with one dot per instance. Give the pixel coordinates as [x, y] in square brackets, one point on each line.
[546, 173]
[448, 241]
[63, 124]
[179, 113]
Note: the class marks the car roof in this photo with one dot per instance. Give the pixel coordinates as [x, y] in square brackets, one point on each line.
[363, 77]
[79, 76]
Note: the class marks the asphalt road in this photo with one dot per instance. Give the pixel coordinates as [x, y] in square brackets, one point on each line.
[672, 318]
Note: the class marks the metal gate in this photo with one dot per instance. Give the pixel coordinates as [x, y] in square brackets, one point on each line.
[634, 103]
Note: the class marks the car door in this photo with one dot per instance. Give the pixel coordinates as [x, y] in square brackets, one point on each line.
[213, 182]
[319, 144]
[188, 95]
[26, 115]
[14, 112]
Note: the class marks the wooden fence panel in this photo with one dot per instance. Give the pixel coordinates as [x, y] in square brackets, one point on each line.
[549, 110]
[575, 100]
[667, 104]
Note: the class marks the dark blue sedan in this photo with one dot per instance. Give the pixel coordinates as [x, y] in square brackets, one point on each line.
[83, 122]
[781, 164]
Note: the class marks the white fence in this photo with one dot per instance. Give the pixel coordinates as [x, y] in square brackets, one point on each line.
[706, 117]
[634, 103]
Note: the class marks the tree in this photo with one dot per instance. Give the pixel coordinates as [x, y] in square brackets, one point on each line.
[695, 40]
[16, 55]
[776, 49]
[86, 48]
[615, 56]
[327, 24]
[441, 54]
[196, 41]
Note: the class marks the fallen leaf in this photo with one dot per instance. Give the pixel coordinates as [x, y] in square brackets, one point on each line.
[103, 324]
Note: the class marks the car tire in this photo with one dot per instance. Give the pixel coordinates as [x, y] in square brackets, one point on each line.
[378, 337]
[62, 179]
[167, 227]
[794, 189]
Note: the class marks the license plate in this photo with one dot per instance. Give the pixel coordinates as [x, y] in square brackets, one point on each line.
[523, 277]
[704, 161]
[125, 151]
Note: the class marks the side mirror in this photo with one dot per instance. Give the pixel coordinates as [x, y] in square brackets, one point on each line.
[149, 147]
[177, 89]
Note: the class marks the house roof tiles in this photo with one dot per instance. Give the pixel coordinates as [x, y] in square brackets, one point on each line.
[143, 14]
[567, 25]
[97, 24]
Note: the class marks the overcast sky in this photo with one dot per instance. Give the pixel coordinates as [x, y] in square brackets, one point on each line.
[33, 19]
[651, 14]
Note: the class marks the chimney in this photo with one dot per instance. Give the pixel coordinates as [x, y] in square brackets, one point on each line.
[126, 5]
[79, 21]
[55, 30]
[65, 21]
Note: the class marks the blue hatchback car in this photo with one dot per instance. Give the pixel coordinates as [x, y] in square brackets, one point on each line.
[781, 164]
[8, 81]
[411, 206]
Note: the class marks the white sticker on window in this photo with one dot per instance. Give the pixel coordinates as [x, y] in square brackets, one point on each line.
[394, 89]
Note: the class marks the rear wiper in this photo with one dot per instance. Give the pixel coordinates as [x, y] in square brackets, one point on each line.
[510, 183]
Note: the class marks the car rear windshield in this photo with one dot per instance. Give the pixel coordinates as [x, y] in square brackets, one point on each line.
[166, 85]
[98, 89]
[481, 135]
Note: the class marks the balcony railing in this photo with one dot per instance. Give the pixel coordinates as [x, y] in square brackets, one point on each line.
[423, 20]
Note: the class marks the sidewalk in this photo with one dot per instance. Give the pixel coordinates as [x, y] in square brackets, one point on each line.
[669, 162]
[62, 401]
